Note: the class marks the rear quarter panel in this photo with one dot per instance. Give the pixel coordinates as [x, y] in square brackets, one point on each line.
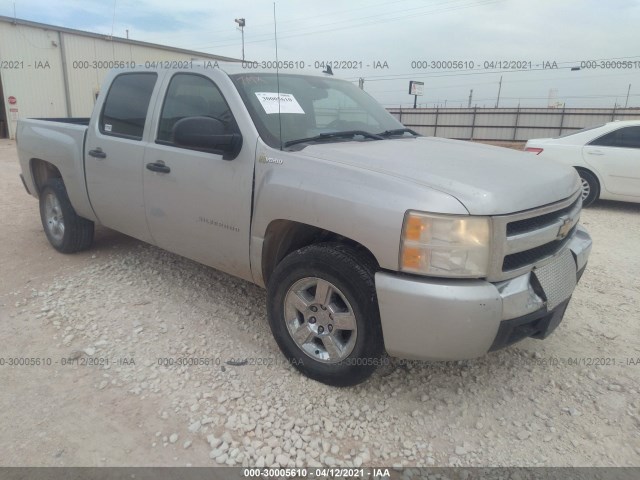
[62, 145]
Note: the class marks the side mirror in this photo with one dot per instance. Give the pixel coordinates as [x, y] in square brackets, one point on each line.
[207, 134]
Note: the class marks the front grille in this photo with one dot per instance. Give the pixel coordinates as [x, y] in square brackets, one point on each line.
[533, 255]
[526, 239]
[534, 223]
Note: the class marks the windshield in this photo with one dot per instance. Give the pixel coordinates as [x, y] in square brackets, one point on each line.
[309, 107]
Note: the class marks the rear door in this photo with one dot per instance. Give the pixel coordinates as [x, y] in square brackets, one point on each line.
[114, 153]
[616, 157]
[200, 205]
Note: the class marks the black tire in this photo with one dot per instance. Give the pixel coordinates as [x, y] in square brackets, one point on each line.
[590, 187]
[351, 272]
[76, 233]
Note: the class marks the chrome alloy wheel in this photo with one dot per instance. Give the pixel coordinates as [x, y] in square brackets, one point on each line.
[320, 320]
[53, 217]
[586, 188]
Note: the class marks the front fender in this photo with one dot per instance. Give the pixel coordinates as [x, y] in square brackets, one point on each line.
[365, 206]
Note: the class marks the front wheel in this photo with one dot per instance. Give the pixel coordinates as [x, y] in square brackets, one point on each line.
[590, 187]
[66, 231]
[323, 313]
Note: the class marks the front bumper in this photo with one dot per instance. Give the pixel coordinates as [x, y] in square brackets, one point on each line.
[445, 319]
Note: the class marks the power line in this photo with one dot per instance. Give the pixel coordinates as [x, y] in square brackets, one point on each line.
[467, 72]
[476, 3]
[348, 22]
[435, 88]
[295, 19]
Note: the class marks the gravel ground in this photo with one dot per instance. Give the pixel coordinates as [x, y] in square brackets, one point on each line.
[571, 400]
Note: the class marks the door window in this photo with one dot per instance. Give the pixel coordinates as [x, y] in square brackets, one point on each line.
[192, 95]
[628, 137]
[125, 108]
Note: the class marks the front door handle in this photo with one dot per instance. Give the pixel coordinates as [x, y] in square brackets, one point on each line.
[158, 167]
[97, 153]
[595, 152]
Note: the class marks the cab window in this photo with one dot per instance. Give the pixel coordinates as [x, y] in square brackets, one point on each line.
[125, 109]
[192, 95]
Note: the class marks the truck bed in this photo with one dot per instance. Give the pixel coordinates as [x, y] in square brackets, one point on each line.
[73, 120]
[59, 141]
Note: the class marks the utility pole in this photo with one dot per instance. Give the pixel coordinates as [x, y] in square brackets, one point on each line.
[470, 98]
[361, 83]
[627, 100]
[499, 90]
[241, 23]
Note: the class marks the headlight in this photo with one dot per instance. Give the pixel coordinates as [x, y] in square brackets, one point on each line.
[445, 245]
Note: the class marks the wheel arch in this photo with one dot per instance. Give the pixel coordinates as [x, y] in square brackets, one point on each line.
[283, 237]
[599, 187]
[590, 170]
[41, 172]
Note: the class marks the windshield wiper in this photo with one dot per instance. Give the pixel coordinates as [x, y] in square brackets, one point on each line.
[324, 136]
[398, 131]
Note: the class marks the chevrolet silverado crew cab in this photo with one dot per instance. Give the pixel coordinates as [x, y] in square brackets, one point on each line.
[367, 236]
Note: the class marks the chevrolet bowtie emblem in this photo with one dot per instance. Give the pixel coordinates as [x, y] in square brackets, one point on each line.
[565, 228]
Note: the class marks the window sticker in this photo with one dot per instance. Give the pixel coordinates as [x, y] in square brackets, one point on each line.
[288, 103]
[107, 127]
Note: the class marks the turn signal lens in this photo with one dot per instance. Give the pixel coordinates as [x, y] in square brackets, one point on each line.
[445, 245]
[414, 228]
[412, 257]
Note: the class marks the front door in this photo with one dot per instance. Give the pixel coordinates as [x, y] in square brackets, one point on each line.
[616, 157]
[197, 203]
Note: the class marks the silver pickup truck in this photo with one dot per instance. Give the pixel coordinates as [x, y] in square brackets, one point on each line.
[367, 236]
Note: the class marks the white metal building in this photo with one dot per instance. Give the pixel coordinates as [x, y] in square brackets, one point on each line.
[50, 71]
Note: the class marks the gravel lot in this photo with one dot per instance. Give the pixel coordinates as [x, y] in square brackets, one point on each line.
[133, 304]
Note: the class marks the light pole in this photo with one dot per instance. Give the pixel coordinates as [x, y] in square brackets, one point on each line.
[626, 103]
[241, 23]
[499, 90]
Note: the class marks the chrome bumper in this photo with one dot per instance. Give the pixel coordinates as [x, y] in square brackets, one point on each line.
[442, 319]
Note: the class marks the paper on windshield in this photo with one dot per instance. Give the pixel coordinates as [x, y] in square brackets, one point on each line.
[288, 103]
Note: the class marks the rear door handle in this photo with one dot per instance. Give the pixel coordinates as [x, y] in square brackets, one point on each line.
[595, 152]
[158, 167]
[97, 153]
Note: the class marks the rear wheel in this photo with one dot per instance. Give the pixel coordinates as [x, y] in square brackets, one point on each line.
[590, 187]
[323, 313]
[66, 231]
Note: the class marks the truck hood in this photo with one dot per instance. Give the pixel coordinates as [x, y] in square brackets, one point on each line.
[487, 180]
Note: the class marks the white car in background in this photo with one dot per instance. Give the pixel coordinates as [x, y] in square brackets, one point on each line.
[607, 157]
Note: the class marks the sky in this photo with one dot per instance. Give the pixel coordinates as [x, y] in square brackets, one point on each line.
[452, 46]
